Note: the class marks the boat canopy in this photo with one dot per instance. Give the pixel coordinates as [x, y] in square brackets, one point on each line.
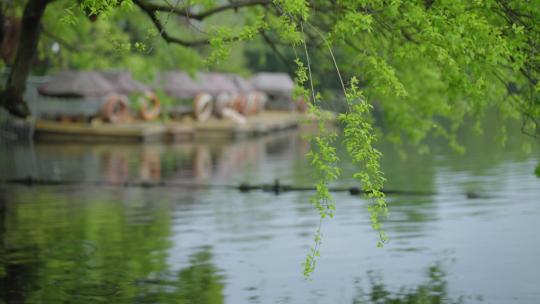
[179, 84]
[78, 84]
[124, 83]
[273, 83]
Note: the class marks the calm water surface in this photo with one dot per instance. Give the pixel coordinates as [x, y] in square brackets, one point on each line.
[86, 243]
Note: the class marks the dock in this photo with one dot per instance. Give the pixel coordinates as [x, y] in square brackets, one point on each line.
[172, 131]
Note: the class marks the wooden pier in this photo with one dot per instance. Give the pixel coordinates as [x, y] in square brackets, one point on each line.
[177, 131]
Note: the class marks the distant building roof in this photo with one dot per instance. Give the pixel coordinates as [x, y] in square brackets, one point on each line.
[124, 83]
[273, 83]
[77, 84]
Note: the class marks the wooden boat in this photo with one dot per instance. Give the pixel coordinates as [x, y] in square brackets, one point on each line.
[184, 130]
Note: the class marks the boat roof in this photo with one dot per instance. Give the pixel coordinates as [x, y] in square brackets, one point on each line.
[124, 83]
[273, 83]
[180, 84]
[83, 84]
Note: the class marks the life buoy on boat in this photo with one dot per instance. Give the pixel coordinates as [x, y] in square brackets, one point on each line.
[234, 116]
[224, 100]
[231, 106]
[202, 106]
[151, 113]
[239, 103]
[256, 102]
[115, 109]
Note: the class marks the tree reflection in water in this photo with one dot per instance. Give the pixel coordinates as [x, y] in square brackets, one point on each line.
[54, 249]
[432, 291]
[199, 282]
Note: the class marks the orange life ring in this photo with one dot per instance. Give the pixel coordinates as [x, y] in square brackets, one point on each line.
[202, 106]
[255, 103]
[149, 113]
[239, 103]
[115, 109]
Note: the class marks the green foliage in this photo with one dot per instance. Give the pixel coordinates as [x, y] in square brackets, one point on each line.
[118, 36]
[221, 47]
[103, 7]
[294, 8]
[301, 78]
[448, 58]
[359, 141]
[323, 158]
[286, 30]
[352, 23]
[69, 17]
[428, 66]
[222, 37]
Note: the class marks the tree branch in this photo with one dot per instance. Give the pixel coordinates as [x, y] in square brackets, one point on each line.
[151, 12]
[274, 48]
[62, 41]
[186, 11]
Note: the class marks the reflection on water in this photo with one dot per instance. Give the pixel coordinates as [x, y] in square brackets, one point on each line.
[197, 283]
[60, 250]
[89, 244]
[434, 290]
[88, 252]
[199, 162]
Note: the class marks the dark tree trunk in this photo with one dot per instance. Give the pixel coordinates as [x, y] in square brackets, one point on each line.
[1, 24]
[12, 97]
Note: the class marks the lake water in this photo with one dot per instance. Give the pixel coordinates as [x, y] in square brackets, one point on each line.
[196, 241]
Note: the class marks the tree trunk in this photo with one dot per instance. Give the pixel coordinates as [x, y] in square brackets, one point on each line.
[1, 25]
[12, 97]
